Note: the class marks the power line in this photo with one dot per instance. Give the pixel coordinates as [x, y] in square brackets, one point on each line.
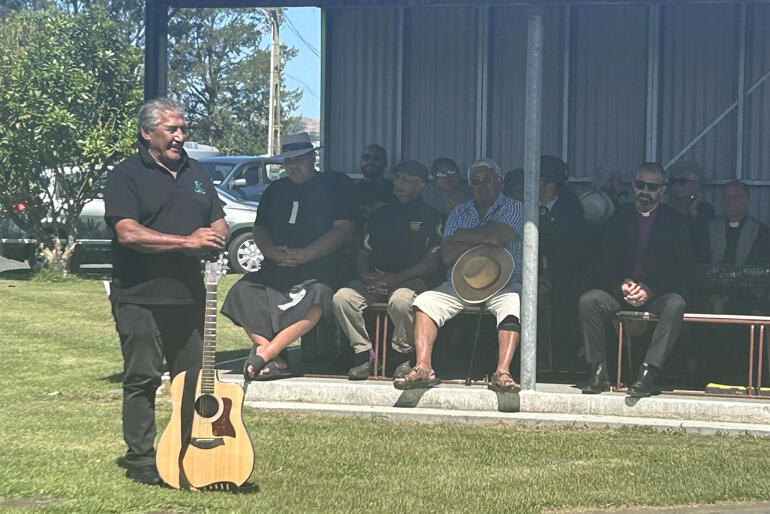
[308, 88]
[296, 32]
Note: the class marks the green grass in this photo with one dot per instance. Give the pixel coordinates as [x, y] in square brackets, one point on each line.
[60, 434]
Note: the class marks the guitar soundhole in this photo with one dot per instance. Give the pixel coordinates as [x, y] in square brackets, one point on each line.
[206, 406]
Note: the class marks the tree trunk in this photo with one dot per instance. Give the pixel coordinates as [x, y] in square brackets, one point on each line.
[59, 259]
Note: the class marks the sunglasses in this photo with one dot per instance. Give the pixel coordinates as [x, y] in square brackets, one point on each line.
[477, 181]
[641, 185]
[682, 181]
[444, 174]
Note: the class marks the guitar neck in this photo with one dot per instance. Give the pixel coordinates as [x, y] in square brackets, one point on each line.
[208, 373]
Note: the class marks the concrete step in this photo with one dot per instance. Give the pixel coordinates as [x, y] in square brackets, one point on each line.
[532, 419]
[547, 399]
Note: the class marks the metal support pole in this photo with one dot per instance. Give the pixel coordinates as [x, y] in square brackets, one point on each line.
[155, 45]
[274, 117]
[653, 81]
[532, 136]
[482, 47]
[397, 151]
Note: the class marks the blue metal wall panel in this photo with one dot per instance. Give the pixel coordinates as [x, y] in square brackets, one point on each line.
[440, 97]
[362, 84]
[756, 151]
[699, 74]
[507, 84]
[608, 89]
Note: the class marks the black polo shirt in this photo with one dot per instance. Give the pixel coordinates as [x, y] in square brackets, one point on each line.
[140, 190]
[295, 215]
[401, 235]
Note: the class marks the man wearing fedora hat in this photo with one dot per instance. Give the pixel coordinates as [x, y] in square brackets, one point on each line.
[302, 224]
[398, 259]
[480, 246]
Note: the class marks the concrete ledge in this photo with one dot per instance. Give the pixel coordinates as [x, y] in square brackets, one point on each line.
[548, 399]
[429, 416]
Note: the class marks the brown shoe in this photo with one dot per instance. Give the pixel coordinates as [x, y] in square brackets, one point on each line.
[418, 378]
[503, 382]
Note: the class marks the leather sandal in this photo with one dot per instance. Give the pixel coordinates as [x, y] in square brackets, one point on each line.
[271, 372]
[417, 378]
[503, 382]
[255, 361]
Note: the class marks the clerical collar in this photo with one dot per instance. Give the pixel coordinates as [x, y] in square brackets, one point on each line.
[551, 204]
[734, 224]
[648, 213]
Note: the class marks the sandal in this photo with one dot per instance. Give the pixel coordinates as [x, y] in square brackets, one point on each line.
[273, 372]
[503, 382]
[417, 378]
[255, 361]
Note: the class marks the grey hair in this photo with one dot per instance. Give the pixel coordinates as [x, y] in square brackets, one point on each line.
[148, 112]
[485, 163]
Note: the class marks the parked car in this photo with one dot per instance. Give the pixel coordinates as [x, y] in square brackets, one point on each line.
[243, 177]
[94, 237]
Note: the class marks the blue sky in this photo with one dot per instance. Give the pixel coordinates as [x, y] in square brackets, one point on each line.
[304, 71]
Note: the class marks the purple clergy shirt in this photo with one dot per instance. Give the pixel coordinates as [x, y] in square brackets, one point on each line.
[644, 225]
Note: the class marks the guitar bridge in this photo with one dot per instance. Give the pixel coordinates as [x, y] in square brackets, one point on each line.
[206, 443]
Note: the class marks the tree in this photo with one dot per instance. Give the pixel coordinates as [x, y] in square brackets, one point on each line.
[69, 93]
[219, 72]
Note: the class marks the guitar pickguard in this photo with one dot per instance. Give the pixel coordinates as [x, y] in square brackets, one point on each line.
[222, 426]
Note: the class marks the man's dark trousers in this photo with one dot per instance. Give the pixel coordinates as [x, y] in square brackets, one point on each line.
[148, 333]
[597, 308]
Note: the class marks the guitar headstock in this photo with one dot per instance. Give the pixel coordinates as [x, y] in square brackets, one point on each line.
[214, 269]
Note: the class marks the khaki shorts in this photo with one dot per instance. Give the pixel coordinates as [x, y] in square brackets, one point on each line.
[443, 304]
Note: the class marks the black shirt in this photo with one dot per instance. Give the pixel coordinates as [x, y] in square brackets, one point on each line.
[401, 235]
[370, 194]
[140, 190]
[295, 215]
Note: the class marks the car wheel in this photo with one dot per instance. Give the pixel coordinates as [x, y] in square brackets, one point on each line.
[243, 254]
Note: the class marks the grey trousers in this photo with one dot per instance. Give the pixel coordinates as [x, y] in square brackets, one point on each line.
[350, 302]
[596, 309]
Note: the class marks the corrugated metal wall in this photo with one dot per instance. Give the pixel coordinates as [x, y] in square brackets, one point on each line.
[441, 73]
[361, 93]
[602, 51]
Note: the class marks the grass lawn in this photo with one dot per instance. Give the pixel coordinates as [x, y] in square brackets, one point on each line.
[60, 434]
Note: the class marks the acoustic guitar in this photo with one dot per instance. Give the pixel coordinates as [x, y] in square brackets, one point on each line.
[218, 453]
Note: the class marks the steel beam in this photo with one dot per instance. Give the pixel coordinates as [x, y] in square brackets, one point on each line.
[155, 45]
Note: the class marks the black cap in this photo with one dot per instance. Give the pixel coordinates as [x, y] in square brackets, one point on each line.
[414, 168]
[553, 169]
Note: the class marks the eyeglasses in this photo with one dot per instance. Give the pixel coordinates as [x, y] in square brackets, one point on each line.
[650, 186]
[682, 181]
[445, 173]
[477, 181]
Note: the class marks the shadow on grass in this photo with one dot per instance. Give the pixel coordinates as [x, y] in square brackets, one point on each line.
[17, 274]
[26, 275]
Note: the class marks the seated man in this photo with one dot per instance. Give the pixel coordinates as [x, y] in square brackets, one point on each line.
[447, 190]
[302, 223]
[490, 218]
[686, 197]
[399, 255]
[644, 255]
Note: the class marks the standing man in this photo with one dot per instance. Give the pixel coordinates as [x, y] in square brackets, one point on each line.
[397, 261]
[643, 266]
[165, 214]
[490, 219]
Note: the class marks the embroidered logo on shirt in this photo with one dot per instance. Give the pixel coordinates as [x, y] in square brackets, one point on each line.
[198, 187]
[414, 226]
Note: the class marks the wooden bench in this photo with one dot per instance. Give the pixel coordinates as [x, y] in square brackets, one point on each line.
[755, 322]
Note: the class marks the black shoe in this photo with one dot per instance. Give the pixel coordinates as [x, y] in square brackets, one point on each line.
[598, 381]
[363, 366]
[144, 474]
[405, 366]
[642, 387]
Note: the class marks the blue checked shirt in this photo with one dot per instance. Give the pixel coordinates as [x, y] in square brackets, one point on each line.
[504, 210]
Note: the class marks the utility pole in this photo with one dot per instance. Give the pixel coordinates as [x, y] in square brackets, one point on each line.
[274, 121]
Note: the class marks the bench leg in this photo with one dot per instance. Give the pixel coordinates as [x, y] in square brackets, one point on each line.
[618, 385]
[385, 343]
[377, 341]
[761, 355]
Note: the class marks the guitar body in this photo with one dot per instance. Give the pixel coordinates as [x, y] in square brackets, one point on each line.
[220, 450]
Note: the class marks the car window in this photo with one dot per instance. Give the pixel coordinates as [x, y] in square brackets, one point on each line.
[218, 170]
